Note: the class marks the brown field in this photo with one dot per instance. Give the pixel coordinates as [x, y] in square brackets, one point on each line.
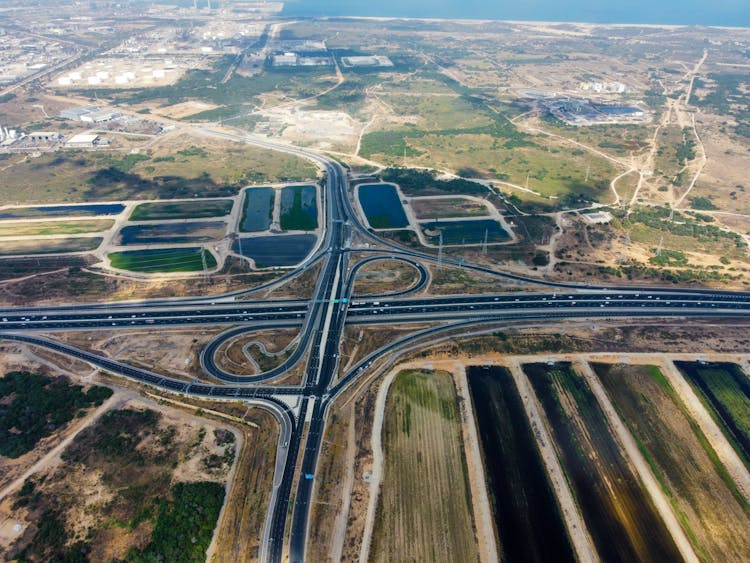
[708, 505]
[22, 229]
[424, 508]
[441, 208]
[232, 357]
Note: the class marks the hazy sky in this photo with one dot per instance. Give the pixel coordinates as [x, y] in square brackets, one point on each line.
[714, 12]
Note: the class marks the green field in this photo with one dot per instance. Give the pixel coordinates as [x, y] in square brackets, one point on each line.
[163, 260]
[54, 228]
[51, 246]
[424, 510]
[182, 210]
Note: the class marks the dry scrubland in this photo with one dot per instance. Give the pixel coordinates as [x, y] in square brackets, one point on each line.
[424, 508]
[184, 165]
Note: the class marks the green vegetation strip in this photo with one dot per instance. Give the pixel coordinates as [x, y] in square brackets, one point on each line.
[34, 406]
[54, 228]
[163, 260]
[182, 210]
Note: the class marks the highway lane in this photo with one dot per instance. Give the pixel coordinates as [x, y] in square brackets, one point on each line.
[256, 317]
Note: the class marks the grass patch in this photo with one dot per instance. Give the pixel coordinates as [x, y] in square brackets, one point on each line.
[163, 260]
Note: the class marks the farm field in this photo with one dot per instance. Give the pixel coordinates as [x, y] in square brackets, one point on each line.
[382, 206]
[424, 509]
[257, 209]
[527, 517]
[725, 390]
[706, 502]
[172, 233]
[163, 260]
[299, 210]
[50, 246]
[182, 210]
[54, 228]
[622, 520]
[448, 207]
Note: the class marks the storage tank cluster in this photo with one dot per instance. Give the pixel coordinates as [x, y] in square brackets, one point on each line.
[104, 77]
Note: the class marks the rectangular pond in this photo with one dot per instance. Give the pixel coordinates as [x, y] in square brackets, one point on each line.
[198, 209]
[62, 211]
[172, 233]
[257, 209]
[464, 232]
[275, 250]
[299, 210]
[382, 206]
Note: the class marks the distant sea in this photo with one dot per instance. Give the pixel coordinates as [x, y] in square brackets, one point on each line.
[734, 13]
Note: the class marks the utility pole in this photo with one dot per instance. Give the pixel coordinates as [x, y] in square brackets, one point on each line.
[658, 248]
[440, 250]
[484, 245]
[588, 170]
[205, 265]
[624, 256]
[527, 179]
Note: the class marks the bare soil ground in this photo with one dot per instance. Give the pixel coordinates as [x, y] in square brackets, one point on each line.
[175, 353]
[424, 507]
[385, 276]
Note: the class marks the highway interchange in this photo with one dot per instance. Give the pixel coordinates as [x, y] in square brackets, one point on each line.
[302, 409]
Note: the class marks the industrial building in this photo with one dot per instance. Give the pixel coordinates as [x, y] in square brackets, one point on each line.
[82, 141]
